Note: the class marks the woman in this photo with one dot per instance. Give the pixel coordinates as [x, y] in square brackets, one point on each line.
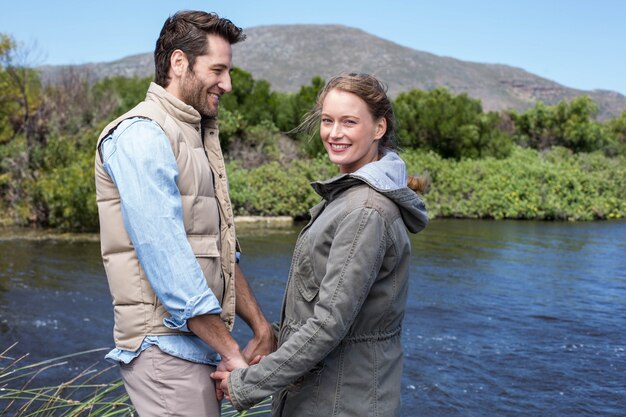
[339, 341]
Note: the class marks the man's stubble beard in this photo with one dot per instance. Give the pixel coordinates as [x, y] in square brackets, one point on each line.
[194, 93]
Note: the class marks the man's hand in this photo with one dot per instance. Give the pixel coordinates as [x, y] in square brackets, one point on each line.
[211, 329]
[224, 367]
[233, 362]
[262, 344]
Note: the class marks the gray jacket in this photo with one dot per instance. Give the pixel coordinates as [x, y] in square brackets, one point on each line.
[339, 342]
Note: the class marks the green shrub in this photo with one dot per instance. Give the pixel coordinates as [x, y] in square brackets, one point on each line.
[68, 192]
[555, 185]
[271, 190]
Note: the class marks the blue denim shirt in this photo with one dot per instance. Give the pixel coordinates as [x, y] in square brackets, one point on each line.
[139, 158]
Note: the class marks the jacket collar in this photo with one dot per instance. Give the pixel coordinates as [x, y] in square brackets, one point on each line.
[174, 106]
[388, 177]
[385, 175]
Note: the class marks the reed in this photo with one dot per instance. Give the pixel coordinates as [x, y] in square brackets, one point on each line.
[82, 395]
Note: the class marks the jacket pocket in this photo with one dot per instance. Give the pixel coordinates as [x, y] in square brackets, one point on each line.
[304, 277]
[310, 381]
[304, 397]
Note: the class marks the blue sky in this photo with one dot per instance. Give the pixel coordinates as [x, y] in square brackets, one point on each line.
[577, 43]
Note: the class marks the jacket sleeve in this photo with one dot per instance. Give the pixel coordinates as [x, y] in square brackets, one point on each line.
[354, 262]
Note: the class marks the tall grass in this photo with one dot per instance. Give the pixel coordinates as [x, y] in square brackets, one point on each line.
[82, 395]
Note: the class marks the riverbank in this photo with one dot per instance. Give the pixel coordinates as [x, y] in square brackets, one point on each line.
[262, 221]
[8, 232]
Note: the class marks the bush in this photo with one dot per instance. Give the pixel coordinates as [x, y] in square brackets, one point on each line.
[555, 185]
[274, 189]
[72, 205]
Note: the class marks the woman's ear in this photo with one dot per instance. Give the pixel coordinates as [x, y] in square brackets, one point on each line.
[381, 128]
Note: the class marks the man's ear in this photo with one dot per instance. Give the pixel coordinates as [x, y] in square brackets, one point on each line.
[178, 63]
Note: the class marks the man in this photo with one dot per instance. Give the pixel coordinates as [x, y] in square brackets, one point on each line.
[167, 233]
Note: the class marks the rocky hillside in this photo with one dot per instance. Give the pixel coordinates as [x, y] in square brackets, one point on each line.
[289, 56]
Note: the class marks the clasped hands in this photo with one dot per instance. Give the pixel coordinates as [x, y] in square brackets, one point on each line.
[256, 349]
[222, 373]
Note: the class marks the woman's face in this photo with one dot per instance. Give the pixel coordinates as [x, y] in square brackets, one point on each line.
[348, 130]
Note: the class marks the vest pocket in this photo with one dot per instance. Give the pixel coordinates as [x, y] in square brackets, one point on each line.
[204, 245]
[207, 254]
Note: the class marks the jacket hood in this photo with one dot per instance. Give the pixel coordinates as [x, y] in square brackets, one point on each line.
[388, 177]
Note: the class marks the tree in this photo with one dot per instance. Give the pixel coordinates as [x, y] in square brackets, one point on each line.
[301, 103]
[20, 93]
[570, 124]
[453, 126]
[616, 129]
[249, 104]
[534, 127]
[22, 129]
[116, 95]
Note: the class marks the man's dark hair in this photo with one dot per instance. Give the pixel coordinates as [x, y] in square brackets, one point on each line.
[187, 30]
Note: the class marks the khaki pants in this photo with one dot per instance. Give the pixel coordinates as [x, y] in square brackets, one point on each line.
[160, 385]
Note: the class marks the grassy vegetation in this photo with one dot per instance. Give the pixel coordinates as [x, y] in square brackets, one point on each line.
[83, 395]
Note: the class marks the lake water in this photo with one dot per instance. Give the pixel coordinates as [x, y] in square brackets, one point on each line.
[503, 319]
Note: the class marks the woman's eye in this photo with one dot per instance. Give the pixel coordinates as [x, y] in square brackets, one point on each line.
[326, 121]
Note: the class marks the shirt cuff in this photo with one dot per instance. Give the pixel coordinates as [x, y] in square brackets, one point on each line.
[205, 303]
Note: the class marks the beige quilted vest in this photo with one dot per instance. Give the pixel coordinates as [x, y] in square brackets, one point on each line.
[207, 217]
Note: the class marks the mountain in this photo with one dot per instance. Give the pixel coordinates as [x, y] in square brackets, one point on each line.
[289, 56]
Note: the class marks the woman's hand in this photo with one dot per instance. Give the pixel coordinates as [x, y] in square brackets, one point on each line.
[221, 383]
